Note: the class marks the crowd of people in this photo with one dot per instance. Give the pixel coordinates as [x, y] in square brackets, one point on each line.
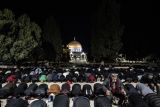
[130, 86]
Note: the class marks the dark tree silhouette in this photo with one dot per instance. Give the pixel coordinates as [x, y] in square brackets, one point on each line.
[18, 37]
[52, 39]
[107, 31]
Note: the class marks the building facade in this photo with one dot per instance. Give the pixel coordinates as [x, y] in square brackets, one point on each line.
[76, 52]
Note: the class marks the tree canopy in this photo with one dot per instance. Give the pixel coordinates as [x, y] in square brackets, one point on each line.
[18, 37]
[52, 38]
[107, 31]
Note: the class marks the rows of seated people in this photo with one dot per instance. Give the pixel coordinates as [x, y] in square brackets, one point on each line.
[50, 75]
[83, 74]
[146, 92]
[54, 93]
[103, 96]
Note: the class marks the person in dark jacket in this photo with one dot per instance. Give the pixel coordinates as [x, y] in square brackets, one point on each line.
[134, 98]
[37, 101]
[16, 102]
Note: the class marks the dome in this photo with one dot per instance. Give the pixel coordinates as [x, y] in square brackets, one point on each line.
[74, 44]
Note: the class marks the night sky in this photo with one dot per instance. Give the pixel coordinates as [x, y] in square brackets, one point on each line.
[74, 19]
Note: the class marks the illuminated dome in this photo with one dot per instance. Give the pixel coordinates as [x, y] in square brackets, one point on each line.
[74, 44]
[76, 52]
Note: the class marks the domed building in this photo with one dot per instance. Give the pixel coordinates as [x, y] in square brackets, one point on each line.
[76, 52]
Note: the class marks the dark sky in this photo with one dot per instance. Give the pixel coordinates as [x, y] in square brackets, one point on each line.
[137, 17]
[74, 16]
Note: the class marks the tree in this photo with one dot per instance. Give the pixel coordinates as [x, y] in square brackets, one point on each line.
[107, 31]
[18, 37]
[7, 19]
[52, 38]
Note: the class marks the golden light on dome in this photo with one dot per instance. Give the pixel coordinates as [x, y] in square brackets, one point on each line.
[74, 44]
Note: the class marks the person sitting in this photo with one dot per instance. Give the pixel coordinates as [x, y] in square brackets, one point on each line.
[113, 86]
